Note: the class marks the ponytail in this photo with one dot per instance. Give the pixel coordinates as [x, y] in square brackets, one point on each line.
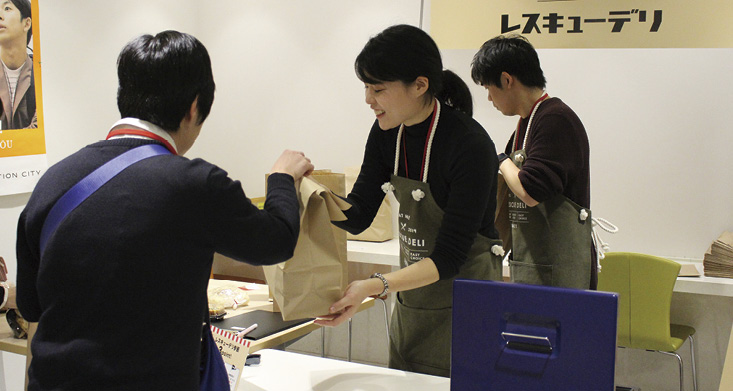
[455, 93]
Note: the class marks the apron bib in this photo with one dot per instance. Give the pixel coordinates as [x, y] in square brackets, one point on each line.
[420, 330]
[551, 242]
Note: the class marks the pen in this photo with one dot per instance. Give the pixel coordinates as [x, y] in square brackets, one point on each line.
[247, 330]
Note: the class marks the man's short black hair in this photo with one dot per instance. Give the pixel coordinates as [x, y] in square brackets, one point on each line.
[160, 77]
[24, 6]
[512, 54]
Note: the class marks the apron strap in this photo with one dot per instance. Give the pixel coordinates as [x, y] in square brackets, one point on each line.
[428, 144]
[601, 246]
[529, 124]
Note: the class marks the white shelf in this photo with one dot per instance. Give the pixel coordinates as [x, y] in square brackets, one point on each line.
[388, 253]
[703, 285]
[382, 253]
[378, 253]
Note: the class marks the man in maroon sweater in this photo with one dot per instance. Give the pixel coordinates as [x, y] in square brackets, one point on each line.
[546, 168]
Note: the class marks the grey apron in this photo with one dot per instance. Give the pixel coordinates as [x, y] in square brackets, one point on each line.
[551, 242]
[420, 329]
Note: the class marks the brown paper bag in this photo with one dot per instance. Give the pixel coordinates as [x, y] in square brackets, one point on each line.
[334, 181]
[501, 217]
[315, 277]
[381, 228]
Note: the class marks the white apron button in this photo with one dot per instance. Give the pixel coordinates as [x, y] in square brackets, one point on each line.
[418, 194]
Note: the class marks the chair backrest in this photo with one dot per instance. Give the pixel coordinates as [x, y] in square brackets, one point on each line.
[644, 284]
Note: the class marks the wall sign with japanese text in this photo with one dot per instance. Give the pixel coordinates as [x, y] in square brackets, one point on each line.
[22, 137]
[466, 24]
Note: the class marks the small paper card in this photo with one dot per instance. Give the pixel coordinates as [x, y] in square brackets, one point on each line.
[234, 351]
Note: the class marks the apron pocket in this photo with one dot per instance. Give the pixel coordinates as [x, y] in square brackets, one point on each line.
[531, 273]
[420, 339]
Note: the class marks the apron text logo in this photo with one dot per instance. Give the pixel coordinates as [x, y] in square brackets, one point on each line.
[412, 242]
[517, 205]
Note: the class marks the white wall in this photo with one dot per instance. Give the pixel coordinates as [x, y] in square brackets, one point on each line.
[285, 79]
[284, 74]
[656, 118]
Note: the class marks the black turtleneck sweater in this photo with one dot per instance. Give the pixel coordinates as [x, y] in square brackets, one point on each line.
[461, 175]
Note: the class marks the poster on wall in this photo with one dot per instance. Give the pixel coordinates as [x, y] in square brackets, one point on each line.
[22, 137]
[466, 24]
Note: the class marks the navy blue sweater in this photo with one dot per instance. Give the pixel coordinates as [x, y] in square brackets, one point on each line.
[120, 292]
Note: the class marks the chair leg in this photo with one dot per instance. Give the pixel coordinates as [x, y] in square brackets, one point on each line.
[348, 353]
[386, 320]
[679, 360]
[323, 341]
[692, 358]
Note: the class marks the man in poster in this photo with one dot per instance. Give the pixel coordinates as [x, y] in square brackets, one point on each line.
[17, 88]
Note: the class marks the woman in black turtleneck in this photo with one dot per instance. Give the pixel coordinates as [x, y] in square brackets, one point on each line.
[442, 167]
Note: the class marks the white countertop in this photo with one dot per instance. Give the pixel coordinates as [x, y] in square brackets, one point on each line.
[378, 253]
[279, 370]
[387, 253]
[703, 285]
[381, 253]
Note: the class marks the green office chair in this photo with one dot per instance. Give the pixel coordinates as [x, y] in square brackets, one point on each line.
[644, 284]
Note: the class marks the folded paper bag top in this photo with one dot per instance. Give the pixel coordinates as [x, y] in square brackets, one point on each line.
[334, 204]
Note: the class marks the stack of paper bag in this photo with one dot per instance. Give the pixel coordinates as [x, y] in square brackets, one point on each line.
[718, 261]
[315, 277]
[381, 228]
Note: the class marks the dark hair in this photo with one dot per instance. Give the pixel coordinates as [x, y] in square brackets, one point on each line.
[161, 76]
[24, 7]
[403, 53]
[512, 54]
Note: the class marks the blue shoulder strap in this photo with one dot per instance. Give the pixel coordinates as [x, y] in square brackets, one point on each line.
[91, 183]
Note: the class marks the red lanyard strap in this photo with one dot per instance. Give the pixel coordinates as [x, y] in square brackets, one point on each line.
[428, 144]
[144, 133]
